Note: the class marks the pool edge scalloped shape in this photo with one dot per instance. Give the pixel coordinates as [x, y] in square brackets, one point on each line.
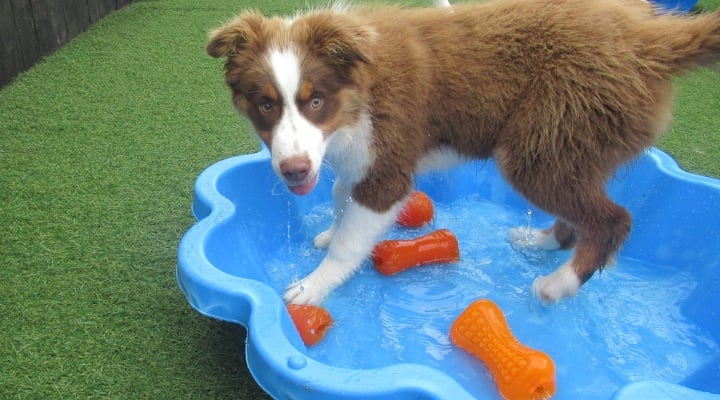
[274, 351]
[275, 354]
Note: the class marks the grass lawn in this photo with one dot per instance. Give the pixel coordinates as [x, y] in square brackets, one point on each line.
[100, 145]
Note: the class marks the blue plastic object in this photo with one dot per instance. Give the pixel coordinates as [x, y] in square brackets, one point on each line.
[658, 390]
[650, 325]
[682, 6]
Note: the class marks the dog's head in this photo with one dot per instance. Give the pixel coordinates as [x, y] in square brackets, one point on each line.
[298, 81]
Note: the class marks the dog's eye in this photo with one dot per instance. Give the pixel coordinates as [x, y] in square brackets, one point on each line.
[266, 107]
[316, 102]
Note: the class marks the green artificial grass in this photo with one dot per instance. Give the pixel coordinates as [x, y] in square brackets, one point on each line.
[694, 138]
[100, 145]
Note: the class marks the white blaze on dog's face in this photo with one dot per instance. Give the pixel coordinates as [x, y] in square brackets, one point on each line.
[298, 81]
[297, 145]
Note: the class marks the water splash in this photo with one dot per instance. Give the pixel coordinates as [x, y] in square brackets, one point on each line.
[528, 220]
[278, 189]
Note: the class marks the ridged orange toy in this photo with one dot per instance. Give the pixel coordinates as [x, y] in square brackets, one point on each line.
[393, 256]
[520, 373]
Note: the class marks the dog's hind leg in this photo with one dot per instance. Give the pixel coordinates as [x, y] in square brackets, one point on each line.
[586, 217]
[560, 236]
[601, 226]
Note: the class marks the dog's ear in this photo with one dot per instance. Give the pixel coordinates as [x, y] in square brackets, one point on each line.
[340, 37]
[233, 37]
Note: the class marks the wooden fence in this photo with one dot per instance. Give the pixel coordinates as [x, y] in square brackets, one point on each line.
[32, 29]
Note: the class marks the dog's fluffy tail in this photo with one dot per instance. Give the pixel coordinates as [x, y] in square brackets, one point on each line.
[672, 45]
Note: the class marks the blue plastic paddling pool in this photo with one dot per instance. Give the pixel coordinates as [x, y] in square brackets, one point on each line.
[647, 328]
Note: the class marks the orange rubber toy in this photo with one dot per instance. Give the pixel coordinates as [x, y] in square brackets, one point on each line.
[521, 373]
[312, 322]
[393, 256]
[417, 211]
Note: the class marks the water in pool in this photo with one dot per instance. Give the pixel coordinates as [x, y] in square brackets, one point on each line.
[625, 325]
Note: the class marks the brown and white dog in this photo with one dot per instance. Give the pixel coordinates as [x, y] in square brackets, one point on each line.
[558, 92]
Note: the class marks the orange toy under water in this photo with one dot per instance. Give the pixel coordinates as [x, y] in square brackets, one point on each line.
[521, 373]
[417, 211]
[312, 322]
[393, 256]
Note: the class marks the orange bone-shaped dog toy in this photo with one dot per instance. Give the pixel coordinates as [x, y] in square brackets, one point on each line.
[393, 256]
[312, 322]
[520, 373]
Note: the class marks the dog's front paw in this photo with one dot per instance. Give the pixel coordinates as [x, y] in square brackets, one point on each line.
[322, 240]
[525, 237]
[560, 284]
[305, 292]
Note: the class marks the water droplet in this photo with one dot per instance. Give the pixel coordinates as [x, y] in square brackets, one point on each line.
[528, 220]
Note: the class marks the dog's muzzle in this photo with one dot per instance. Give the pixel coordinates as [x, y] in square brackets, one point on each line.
[298, 174]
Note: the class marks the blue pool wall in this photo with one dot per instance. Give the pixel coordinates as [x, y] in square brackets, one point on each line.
[654, 193]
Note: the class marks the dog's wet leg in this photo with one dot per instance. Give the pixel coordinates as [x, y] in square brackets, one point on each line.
[601, 226]
[560, 236]
[353, 239]
[341, 197]
[564, 234]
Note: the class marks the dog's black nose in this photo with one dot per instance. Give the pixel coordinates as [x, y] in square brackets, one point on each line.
[295, 169]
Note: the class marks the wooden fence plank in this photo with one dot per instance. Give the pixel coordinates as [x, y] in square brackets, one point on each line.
[77, 17]
[27, 40]
[95, 11]
[50, 28]
[58, 23]
[10, 56]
